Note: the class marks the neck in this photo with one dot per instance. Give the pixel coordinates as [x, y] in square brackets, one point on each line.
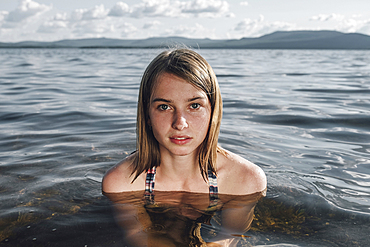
[180, 173]
[179, 166]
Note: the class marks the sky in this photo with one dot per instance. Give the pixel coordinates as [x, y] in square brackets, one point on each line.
[51, 20]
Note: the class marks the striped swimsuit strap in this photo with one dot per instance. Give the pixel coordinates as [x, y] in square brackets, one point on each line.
[150, 182]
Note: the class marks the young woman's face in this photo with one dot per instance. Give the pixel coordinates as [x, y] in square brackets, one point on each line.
[179, 115]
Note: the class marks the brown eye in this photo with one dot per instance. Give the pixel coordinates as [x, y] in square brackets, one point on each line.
[163, 107]
[195, 106]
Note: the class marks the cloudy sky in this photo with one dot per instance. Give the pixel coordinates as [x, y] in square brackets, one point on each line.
[49, 20]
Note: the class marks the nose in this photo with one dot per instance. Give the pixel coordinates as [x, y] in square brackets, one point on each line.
[179, 121]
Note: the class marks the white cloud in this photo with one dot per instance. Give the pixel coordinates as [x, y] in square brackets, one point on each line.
[156, 8]
[52, 26]
[244, 3]
[330, 17]
[151, 25]
[120, 9]
[60, 17]
[258, 27]
[94, 28]
[82, 23]
[21, 23]
[365, 27]
[172, 8]
[206, 8]
[77, 14]
[345, 24]
[353, 25]
[26, 9]
[127, 30]
[98, 12]
[248, 24]
[197, 31]
[3, 15]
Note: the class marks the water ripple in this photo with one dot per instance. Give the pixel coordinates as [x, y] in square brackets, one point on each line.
[67, 115]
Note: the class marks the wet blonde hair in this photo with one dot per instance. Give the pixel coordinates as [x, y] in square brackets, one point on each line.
[193, 68]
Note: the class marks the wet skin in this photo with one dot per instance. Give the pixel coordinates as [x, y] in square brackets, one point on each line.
[179, 116]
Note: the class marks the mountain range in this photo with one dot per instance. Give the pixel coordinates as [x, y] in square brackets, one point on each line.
[276, 40]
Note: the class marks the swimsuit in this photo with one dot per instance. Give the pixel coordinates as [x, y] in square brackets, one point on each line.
[150, 181]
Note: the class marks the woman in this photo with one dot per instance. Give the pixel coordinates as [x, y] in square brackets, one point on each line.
[178, 122]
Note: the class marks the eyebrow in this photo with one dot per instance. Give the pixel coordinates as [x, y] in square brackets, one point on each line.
[161, 100]
[170, 101]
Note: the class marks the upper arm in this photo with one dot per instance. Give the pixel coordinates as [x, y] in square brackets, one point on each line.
[110, 181]
[258, 179]
[118, 178]
[241, 177]
[253, 178]
[238, 219]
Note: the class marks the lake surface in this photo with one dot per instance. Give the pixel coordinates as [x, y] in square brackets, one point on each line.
[68, 115]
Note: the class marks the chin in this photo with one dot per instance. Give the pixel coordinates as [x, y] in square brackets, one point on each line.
[181, 152]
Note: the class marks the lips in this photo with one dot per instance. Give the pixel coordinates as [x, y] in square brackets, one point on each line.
[180, 140]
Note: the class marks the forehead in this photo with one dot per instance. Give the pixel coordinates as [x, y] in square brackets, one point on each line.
[170, 85]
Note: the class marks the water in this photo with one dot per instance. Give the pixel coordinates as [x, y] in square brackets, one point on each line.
[181, 217]
[67, 115]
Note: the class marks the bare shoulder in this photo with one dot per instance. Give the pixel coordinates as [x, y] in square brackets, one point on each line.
[119, 178]
[239, 176]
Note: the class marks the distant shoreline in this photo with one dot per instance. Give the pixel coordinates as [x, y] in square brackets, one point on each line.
[290, 40]
[164, 47]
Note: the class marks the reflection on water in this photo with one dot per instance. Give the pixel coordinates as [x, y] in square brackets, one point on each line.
[183, 218]
[68, 115]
